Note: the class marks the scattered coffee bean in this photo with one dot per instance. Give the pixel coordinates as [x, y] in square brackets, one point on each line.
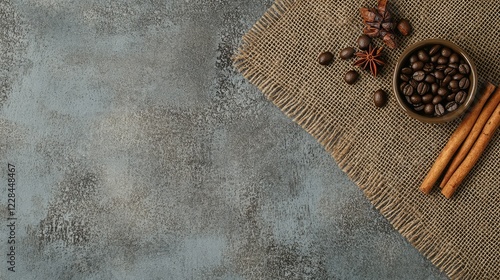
[434, 80]
[347, 53]
[325, 58]
[460, 97]
[351, 77]
[364, 42]
[404, 27]
[380, 98]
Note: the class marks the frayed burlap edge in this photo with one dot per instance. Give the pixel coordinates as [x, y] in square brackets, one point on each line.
[372, 183]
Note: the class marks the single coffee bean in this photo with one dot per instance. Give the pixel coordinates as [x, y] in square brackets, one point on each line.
[404, 27]
[458, 76]
[460, 97]
[364, 42]
[437, 99]
[413, 83]
[419, 76]
[439, 109]
[430, 79]
[413, 59]
[418, 65]
[450, 71]
[427, 98]
[439, 75]
[454, 58]
[446, 52]
[428, 67]
[441, 67]
[325, 58]
[453, 84]
[434, 88]
[380, 98]
[408, 90]
[442, 60]
[347, 53]
[402, 86]
[419, 107]
[450, 97]
[464, 68]
[407, 71]
[464, 83]
[423, 56]
[442, 91]
[435, 58]
[422, 88]
[416, 99]
[351, 77]
[434, 50]
[404, 77]
[429, 109]
[446, 80]
[451, 106]
[453, 65]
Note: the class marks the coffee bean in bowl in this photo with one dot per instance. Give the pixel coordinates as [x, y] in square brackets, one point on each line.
[434, 81]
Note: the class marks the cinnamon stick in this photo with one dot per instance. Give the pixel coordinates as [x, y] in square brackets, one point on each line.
[474, 154]
[455, 141]
[473, 135]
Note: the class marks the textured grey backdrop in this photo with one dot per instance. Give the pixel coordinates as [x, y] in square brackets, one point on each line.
[141, 154]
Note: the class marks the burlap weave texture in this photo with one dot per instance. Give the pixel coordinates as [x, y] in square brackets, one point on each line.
[383, 150]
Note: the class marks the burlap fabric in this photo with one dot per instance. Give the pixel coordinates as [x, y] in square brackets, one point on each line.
[382, 149]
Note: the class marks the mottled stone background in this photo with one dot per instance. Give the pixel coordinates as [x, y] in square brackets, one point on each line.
[141, 154]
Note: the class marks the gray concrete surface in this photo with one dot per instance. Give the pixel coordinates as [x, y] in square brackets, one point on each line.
[141, 154]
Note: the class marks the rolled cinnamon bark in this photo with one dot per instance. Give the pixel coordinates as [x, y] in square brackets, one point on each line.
[474, 154]
[473, 135]
[455, 141]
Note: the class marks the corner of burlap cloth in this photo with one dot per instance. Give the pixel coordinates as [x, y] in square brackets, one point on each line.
[385, 152]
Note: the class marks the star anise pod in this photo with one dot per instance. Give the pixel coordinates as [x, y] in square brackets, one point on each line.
[378, 23]
[371, 58]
